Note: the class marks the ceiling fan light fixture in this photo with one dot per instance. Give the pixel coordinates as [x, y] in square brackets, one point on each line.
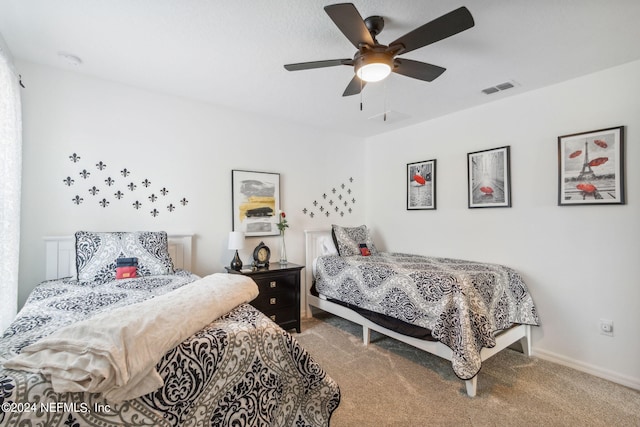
[374, 66]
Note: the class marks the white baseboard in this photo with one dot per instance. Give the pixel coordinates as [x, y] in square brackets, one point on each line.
[589, 369]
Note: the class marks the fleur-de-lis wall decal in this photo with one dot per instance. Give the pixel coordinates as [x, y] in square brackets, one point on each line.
[335, 203]
[101, 176]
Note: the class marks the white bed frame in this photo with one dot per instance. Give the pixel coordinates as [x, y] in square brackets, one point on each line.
[313, 248]
[61, 254]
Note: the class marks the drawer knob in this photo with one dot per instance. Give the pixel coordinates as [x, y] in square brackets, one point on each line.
[272, 301]
[273, 317]
[272, 284]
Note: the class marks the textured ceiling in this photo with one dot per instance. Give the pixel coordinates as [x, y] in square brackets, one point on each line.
[232, 53]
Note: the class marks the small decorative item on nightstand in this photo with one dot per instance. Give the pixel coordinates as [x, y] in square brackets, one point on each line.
[279, 296]
[236, 241]
[261, 255]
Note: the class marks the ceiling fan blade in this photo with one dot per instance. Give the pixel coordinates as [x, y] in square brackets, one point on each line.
[417, 70]
[318, 64]
[440, 28]
[348, 20]
[354, 87]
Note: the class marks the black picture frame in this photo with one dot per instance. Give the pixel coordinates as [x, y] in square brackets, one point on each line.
[591, 168]
[421, 185]
[255, 200]
[489, 178]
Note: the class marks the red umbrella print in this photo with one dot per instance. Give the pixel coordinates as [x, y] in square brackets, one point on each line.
[587, 188]
[486, 190]
[600, 143]
[598, 161]
[420, 180]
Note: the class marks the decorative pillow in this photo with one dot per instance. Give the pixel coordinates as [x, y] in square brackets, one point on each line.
[348, 240]
[96, 253]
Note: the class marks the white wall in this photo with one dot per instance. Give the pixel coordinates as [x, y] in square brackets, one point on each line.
[187, 146]
[581, 263]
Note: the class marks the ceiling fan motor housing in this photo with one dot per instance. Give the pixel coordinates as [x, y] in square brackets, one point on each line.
[370, 58]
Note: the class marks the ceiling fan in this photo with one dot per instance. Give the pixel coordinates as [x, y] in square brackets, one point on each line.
[374, 61]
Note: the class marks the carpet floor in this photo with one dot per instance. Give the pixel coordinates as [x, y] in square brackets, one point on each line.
[389, 383]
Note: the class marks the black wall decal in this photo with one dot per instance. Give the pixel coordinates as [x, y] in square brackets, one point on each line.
[113, 191]
[338, 203]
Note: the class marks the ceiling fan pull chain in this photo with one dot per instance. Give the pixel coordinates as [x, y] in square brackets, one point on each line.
[384, 103]
[361, 85]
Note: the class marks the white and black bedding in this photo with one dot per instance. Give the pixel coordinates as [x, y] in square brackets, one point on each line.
[238, 369]
[463, 303]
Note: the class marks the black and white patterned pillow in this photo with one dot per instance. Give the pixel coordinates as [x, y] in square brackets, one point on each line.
[96, 253]
[348, 240]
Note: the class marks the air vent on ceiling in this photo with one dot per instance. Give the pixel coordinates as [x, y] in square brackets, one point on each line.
[498, 88]
[389, 116]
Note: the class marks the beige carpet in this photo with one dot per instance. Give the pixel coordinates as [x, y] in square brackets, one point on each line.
[390, 383]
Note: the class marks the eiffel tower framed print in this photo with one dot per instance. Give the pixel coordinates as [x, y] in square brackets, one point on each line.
[591, 168]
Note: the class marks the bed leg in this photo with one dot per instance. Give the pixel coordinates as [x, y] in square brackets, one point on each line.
[472, 386]
[525, 341]
[366, 335]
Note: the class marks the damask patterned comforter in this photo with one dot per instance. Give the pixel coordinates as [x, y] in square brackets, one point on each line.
[463, 303]
[242, 368]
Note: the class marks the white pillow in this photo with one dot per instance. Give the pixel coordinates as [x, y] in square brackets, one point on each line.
[327, 247]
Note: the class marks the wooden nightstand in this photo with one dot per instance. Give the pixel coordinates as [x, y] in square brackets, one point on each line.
[279, 296]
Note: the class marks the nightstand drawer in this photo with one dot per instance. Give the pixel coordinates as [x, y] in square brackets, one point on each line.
[280, 315]
[276, 284]
[265, 301]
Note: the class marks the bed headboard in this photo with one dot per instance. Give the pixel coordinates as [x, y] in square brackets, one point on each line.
[313, 249]
[61, 254]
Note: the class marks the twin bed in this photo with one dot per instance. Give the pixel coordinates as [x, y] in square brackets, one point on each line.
[166, 348]
[459, 310]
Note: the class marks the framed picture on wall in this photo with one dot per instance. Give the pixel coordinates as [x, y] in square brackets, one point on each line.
[489, 178]
[421, 185]
[591, 168]
[255, 197]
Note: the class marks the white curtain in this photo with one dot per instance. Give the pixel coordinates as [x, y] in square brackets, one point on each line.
[10, 171]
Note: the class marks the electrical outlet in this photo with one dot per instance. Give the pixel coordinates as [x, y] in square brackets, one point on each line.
[606, 327]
